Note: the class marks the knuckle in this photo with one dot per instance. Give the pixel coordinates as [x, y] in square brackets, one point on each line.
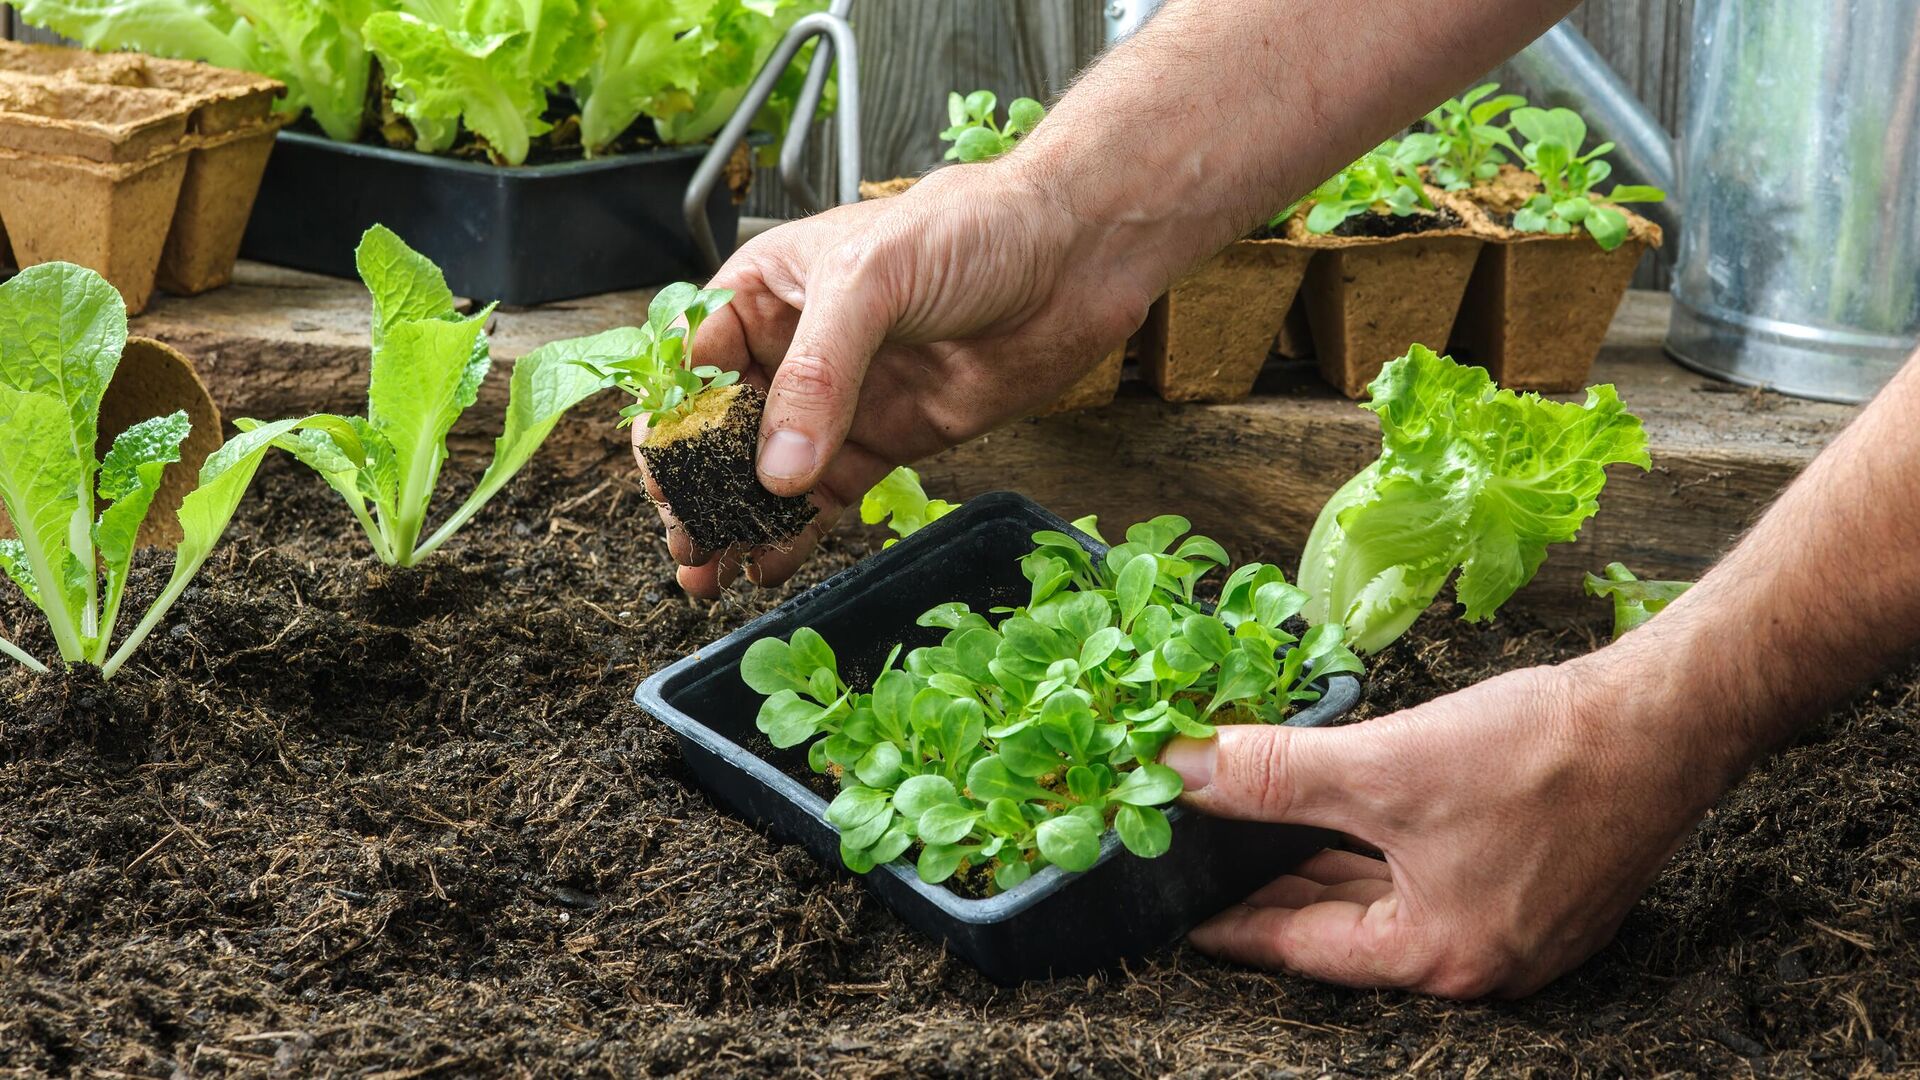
[1473, 970]
[1272, 779]
[807, 381]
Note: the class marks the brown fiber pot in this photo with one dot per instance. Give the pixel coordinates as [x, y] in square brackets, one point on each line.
[1369, 298]
[216, 198]
[110, 218]
[1208, 338]
[155, 380]
[1095, 388]
[1538, 306]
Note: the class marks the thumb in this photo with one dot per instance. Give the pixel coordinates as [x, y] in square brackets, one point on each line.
[1269, 772]
[811, 400]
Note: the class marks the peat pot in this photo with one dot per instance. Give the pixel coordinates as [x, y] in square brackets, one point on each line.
[521, 234]
[1208, 338]
[1370, 297]
[1056, 923]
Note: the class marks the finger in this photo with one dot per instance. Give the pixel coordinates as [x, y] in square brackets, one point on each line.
[852, 472]
[680, 544]
[1337, 941]
[1261, 772]
[1288, 890]
[1332, 867]
[708, 580]
[810, 404]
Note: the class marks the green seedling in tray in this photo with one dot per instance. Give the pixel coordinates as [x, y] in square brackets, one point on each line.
[972, 130]
[1468, 144]
[1568, 178]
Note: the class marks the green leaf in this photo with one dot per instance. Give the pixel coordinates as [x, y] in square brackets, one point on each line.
[1634, 601]
[769, 666]
[787, 720]
[546, 383]
[1069, 842]
[1607, 226]
[938, 862]
[855, 806]
[1148, 785]
[880, 766]
[980, 144]
[405, 285]
[892, 843]
[129, 478]
[1023, 115]
[486, 74]
[1009, 874]
[1144, 830]
[918, 794]
[899, 500]
[947, 823]
[990, 778]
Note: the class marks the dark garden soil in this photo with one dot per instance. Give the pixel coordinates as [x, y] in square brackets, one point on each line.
[1371, 224]
[340, 821]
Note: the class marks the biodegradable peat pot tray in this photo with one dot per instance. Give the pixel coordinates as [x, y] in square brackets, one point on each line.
[1368, 297]
[522, 234]
[1055, 924]
[1538, 306]
[1208, 338]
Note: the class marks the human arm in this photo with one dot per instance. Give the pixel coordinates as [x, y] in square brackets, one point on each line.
[891, 330]
[1521, 818]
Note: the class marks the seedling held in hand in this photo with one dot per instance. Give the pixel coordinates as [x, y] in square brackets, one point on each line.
[972, 131]
[1567, 177]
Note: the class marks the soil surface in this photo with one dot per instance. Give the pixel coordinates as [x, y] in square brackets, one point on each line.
[1375, 224]
[344, 821]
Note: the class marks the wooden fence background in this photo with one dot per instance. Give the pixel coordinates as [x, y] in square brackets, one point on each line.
[913, 51]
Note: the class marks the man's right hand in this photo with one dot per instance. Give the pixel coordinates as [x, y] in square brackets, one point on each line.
[887, 331]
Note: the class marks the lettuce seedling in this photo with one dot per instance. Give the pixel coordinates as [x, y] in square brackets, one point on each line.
[1634, 601]
[972, 130]
[1470, 477]
[75, 517]
[1386, 181]
[1466, 144]
[902, 503]
[1019, 740]
[428, 363]
[658, 371]
[1567, 178]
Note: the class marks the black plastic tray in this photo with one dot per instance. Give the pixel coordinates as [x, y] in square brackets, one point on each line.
[520, 235]
[1054, 924]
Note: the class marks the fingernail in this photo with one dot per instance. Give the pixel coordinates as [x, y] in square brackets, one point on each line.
[1193, 759]
[786, 455]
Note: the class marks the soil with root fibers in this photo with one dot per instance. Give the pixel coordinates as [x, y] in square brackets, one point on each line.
[341, 820]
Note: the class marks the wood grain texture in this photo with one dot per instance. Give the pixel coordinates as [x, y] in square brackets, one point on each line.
[912, 52]
[1252, 473]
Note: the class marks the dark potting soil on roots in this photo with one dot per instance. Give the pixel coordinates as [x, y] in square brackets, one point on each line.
[340, 821]
[1376, 224]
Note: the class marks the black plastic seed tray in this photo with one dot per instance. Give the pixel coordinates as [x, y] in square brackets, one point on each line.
[1056, 923]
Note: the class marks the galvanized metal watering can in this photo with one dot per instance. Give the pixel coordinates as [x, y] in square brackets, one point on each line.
[1798, 184]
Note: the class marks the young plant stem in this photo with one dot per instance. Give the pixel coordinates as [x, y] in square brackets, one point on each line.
[481, 495]
[8, 648]
[177, 584]
[53, 603]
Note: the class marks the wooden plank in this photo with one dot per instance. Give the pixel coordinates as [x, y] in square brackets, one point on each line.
[913, 52]
[1253, 473]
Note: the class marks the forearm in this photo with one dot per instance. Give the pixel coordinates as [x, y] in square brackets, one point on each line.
[1213, 117]
[1821, 595]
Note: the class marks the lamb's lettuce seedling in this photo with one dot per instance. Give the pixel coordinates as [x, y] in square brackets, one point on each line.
[75, 518]
[1634, 601]
[902, 503]
[972, 130]
[1567, 178]
[428, 363]
[1467, 140]
[1385, 181]
[1470, 477]
[1021, 738]
[655, 366]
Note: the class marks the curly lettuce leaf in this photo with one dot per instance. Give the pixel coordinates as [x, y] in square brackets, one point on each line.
[900, 501]
[1470, 478]
[315, 47]
[178, 29]
[1634, 601]
[733, 45]
[648, 62]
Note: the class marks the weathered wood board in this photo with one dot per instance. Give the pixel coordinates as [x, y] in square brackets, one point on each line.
[1253, 473]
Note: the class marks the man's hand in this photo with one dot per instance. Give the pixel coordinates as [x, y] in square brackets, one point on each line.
[891, 330]
[1519, 820]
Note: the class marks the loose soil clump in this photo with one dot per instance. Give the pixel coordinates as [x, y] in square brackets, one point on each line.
[704, 465]
[1382, 226]
[310, 832]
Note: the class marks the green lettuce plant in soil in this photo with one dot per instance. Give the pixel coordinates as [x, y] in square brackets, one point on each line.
[483, 78]
[319, 831]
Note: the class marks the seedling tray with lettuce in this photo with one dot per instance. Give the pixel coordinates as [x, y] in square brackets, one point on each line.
[990, 696]
[537, 151]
